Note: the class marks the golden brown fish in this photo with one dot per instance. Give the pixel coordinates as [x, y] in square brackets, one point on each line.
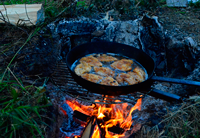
[127, 78]
[123, 64]
[106, 58]
[109, 81]
[92, 61]
[92, 77]
[82, 68]
[138, 74]
[103, 71]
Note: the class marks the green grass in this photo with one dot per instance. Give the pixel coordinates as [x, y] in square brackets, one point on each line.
[22, 109]
[181, 12]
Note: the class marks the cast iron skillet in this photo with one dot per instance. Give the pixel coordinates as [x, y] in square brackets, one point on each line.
[110, 47]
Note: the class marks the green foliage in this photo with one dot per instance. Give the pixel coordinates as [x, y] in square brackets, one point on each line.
[22, 110]
[195, 4]
[81, 4]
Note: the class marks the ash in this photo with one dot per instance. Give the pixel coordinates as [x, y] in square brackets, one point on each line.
[69, 126]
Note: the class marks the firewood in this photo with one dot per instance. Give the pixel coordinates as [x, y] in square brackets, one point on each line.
[81, 116]
[116, 129]
[84, 118]
[22, 14]
[87, 131]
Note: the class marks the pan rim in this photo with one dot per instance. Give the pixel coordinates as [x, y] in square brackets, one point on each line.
[141, 83]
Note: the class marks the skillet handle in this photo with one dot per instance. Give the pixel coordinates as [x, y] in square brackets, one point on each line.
[165, 95]
[178, 81]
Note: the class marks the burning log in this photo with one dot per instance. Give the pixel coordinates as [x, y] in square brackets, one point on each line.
[80, 118]
[116, 129]
[92, 130]
[87, 131]
[104, 120]
[83, 118]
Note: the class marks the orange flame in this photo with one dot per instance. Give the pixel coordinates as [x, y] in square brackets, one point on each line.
[96, 133]
[118, 114]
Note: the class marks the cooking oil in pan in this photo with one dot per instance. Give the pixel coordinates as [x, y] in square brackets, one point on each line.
[107, 65]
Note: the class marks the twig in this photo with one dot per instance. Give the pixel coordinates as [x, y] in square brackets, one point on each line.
[19, 23]
[65, 10]
[27, 15]
[137, 4]
[13, 25]
[6, 13]
[8, 22]
[15, 77]
[2, 17]
[30, 36]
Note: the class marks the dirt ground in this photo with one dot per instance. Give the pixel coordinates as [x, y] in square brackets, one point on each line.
[180, 22]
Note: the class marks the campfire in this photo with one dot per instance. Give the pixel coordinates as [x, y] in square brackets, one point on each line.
[103, 120]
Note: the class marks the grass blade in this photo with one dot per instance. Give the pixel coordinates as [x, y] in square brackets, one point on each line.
[14, 94]
[17, 118]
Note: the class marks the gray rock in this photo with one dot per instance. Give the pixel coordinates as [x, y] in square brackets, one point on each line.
[130, 27]
[98, 33]
[174, 43]
[195, 75]
[127, 38]
[152, 39]
[111, 30]
[192, 45]
[151, 33]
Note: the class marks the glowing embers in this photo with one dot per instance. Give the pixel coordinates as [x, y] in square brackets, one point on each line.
[105, 120]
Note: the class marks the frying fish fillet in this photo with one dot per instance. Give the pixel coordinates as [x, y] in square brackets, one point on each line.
[106, 58]
[92, 61]
[82, 68]
[92, 77]
[103, 71]
[123, 64]
[109, 81]
[127, 78]
[138, 74]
